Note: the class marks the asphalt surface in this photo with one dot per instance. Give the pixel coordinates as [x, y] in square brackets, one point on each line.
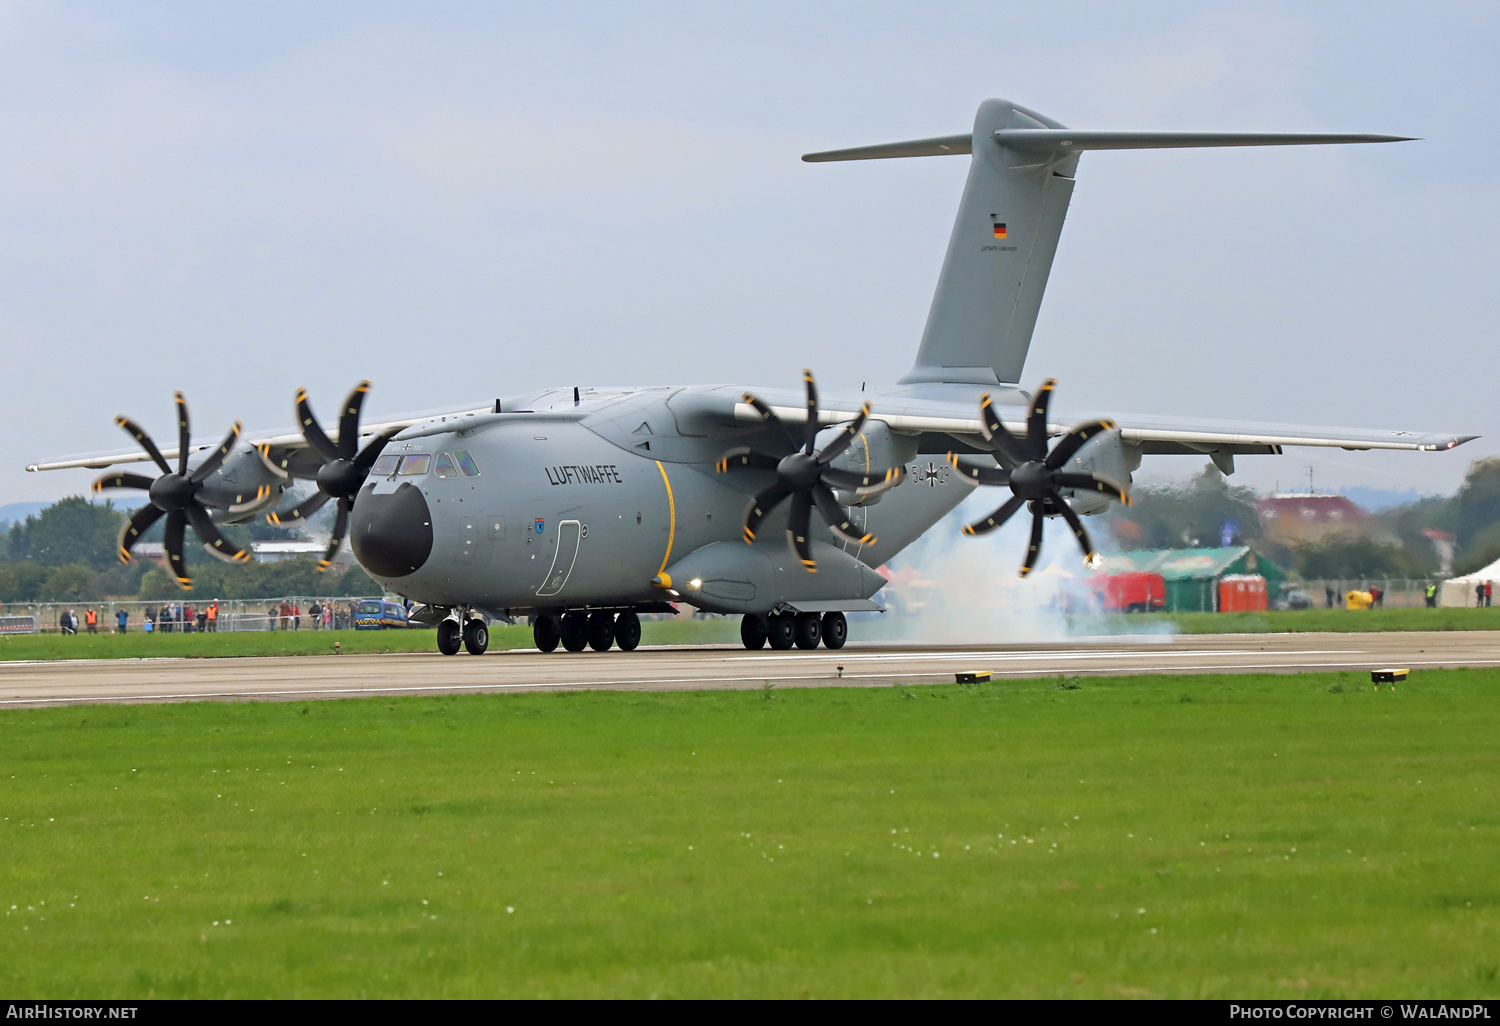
[295, 678]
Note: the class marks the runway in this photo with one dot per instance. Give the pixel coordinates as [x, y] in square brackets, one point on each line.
[293, 678]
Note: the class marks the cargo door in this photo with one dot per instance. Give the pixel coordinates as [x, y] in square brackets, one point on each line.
[563, 557]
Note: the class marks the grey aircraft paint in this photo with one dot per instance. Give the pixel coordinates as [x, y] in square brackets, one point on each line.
[612, 500]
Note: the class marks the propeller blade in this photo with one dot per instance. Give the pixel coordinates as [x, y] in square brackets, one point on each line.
[1011, 449]
[349, 421]
[761, 505]
[275, 466]
[121, 481]
[139, 523]
[978, 473]
[312, 430]
[216, 458]
[184, 433]
[838, 522]
[1034, 550]
[214, 541]
[340, 527]
[372, 450]
[797, 529]
[1073, 441]
[300, 512]
[1089, 555]
[995, 519]
[1036, 420]
[834, 449]
[744, 456]
[1091, 483]
[862, 484]
[810, 430]
[172, 542]
[144, 441]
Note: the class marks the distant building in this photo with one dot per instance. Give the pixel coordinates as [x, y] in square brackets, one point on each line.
[1192, 576]
[1297, 519]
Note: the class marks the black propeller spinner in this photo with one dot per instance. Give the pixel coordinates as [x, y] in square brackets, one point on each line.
[345, 466]
[805, 476]
[174, 495]
[1034, 475]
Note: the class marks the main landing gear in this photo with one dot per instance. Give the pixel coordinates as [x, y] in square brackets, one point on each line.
[598, 630]
[804, 630]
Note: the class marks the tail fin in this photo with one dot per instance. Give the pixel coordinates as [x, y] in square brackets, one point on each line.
[1009, 221]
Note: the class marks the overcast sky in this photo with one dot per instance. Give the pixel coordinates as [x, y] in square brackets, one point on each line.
[461, 201]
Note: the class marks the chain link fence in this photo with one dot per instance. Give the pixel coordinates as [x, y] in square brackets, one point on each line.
[289, 613]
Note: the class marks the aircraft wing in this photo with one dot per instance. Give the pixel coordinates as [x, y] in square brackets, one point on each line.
[959, 422]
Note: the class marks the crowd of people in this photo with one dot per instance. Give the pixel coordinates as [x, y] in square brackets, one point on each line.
[185, 618]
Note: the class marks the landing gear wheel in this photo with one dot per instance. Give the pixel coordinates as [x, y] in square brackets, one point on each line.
[753, 631]
[546, 632]
[627, 631]
[808, 630]
[835, 630]
[601, 631]
[575, 632]
[476, 637]
[781, 631]
[450, 637]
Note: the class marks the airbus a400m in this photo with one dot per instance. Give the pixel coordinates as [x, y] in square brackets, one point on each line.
[582, 508]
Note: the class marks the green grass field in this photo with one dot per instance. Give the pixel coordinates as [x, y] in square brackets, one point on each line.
[716, 630]
[136, 645]
[1293, 836]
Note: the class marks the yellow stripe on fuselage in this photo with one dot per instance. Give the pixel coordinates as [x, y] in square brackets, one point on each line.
[672, 513]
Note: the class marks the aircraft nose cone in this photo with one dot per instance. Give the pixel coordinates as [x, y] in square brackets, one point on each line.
[391, 534]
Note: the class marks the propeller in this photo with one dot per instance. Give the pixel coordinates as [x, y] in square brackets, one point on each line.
[806, 478]
[1035, 476]
[175, 495]
[345, 466]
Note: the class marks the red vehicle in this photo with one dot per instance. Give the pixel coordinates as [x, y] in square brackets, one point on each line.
[1136, 592]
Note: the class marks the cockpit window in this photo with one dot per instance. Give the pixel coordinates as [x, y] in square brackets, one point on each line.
[416, 464]
[446, 466]
[385, 466]
[466, 463]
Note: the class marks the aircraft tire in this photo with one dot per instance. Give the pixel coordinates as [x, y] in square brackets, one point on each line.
[601, 631]
[753, 631]
[449, 637]
[476, 637]
[835, 630]
[546, 633]
[781, 631]
[627, 631]
[575, 632]
[808, 630]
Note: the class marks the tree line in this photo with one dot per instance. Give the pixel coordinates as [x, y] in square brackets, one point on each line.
[1198, 512]
[69, 552]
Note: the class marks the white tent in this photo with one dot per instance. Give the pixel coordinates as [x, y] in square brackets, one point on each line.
[1459, 591]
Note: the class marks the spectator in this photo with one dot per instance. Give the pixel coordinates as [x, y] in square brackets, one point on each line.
[189, 619]
[271, 617]
[286, 616]
[327, 615]
[148, 625]
[212, 617]
[149, 617]
[64, 625]
[296, 616]
[122, 618]
[1489, 592]
[315, 611]
[1377, 596]
[202, 620]
[1330, 594]
[1479, 594]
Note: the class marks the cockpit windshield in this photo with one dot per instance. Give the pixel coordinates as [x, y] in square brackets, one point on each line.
[446, 466]
[385, 466]
[416, 464]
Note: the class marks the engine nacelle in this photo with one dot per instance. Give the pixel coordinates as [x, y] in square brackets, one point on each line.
[1106, 455]
[877, 447]
[243, 487]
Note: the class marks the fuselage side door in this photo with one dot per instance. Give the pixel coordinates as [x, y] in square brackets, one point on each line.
[569, 533]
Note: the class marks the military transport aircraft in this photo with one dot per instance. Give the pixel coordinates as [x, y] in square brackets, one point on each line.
[581, 508]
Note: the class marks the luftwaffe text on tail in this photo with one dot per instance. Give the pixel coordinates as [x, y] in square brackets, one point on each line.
[582, 508]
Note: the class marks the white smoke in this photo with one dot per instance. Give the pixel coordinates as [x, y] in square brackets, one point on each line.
[950, 588]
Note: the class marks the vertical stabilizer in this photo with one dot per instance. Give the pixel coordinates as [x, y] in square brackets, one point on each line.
[999, 255]
[1009, 220]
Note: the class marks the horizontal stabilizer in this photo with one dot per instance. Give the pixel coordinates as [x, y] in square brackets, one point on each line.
[1066, 139]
